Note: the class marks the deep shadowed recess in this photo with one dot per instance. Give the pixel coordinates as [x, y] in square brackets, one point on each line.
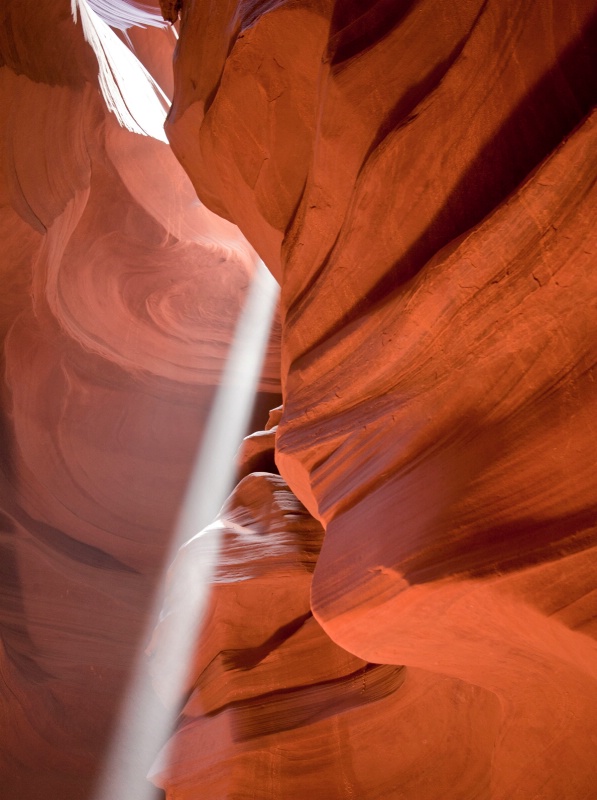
[297, 706]
[264, 402]
[537, 541]
[548, 114]
[250, 657]
[358, 25]
[249, 11]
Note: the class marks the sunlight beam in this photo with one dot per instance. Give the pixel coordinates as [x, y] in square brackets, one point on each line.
[145, 725]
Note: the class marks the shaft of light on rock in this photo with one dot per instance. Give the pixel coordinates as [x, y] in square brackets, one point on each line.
[145, 724]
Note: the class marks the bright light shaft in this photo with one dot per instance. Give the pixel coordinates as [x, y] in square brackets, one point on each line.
[145, 725]
[212, 478]
[130, 92]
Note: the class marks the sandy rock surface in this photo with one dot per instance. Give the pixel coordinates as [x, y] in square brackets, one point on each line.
[119, 299]
[422, 181]
[408, 609]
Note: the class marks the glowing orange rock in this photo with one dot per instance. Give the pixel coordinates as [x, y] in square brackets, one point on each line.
[434, 236]
[118, 302]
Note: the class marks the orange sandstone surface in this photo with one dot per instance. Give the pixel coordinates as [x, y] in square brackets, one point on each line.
[421, 179]
[119, 298]
[404, 604]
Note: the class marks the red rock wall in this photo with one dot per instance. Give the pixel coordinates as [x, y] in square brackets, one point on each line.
[421, 179]
[118, 302]
[273, 707]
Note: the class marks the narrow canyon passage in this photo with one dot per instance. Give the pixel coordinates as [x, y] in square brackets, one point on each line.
[398, 599]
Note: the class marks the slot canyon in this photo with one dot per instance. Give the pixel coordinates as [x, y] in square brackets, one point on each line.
[392, 595]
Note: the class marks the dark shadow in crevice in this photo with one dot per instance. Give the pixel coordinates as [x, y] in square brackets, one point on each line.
[264, 402]
[358, 25]
[297, 706]
[249, 658]
[546, 116]
[403, 111]
[506, 548]
[248, 12]
[540, 122]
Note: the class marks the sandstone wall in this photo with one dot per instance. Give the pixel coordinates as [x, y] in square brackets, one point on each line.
[421, 179]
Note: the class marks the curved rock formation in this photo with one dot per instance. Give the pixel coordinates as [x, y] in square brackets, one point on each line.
[120, 296]
[422, 182]
[273, 708]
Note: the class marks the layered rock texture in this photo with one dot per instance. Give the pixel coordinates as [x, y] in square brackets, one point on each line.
[404, 601]
[421, 180]
[273, 707]
[119, 299]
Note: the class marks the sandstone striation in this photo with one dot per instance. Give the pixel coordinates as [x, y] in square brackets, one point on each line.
[422, 182]
[120, 296]
[273, 708]
[404, 602]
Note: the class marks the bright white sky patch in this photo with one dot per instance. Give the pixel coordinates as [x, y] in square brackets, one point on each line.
[125, 14]
[129, 90]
